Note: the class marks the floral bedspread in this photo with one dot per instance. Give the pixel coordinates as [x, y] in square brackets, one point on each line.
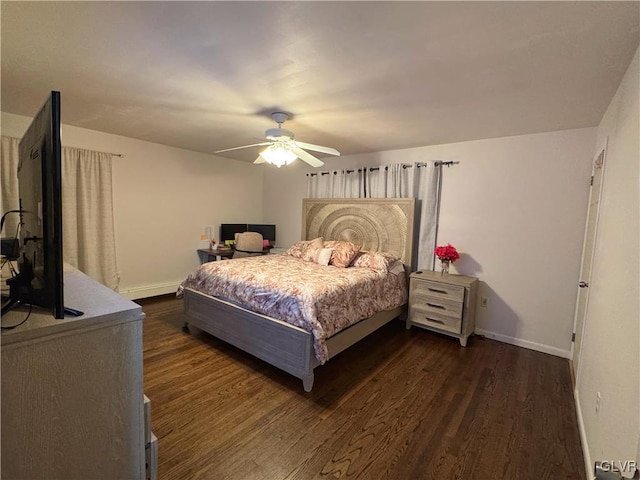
[319, 299]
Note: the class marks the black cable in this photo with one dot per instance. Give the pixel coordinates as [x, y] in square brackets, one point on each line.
[18, 324]
[5, 215]
[17, 230]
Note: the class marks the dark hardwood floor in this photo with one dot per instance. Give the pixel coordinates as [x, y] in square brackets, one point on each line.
[398, 405]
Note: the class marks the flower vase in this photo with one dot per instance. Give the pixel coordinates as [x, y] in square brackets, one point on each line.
[445, 267]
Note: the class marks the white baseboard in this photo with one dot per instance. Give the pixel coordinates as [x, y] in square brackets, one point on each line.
[149, 290]
[539, 347]
[583, 438]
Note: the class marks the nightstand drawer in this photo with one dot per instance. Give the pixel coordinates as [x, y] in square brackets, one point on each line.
[438, 290]
[436, 320]
[435, 304]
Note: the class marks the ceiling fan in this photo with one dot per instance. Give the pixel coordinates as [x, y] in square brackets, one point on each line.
[283, 149]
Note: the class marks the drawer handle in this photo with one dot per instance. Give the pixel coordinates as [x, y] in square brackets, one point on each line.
[434, 320]
[434, 305]
[444, 292]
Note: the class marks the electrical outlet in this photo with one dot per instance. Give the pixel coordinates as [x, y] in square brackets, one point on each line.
[598, 400]
[484, 302]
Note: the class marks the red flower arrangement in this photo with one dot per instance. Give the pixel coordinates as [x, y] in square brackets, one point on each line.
[447, 252]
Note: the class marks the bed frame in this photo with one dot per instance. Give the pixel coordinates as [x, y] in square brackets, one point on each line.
[377, 224]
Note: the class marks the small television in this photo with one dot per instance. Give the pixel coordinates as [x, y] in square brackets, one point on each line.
[40, 264]
[268, 232]
[228, 231]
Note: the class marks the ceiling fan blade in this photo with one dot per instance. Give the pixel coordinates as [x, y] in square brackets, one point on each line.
[245, 146]
[258, 160]
[318, 148]
[307, 157]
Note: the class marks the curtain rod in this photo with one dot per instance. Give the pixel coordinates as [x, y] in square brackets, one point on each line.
[121, 155]
[437, 163]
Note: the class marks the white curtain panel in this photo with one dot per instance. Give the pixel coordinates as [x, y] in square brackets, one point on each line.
[399, 181]
[9, 178]
[418, 180]
[376, 182]
[390, 181]
[422, 182]
[87, 214]
[319, 185]
[87, 208]
[336, 184]
[426, 188]
[354, 183]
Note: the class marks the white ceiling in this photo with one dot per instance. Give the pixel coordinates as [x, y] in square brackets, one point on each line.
[357, 76]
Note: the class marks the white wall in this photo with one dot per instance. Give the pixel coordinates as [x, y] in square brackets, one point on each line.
[610, 362]
[515, 207]
[163, 199]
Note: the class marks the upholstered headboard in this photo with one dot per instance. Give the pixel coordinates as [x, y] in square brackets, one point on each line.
[378, 224]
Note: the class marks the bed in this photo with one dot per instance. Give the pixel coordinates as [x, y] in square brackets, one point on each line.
[269, 323]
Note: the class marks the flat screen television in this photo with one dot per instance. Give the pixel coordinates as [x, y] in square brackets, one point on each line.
[40, 263]
[268, 232]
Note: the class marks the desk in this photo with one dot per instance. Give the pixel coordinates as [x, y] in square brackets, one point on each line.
[211, 254]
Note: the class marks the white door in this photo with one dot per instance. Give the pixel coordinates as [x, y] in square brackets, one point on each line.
[587, 255]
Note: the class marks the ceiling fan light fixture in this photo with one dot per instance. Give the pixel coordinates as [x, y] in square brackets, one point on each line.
[283, 149]
[278, 155]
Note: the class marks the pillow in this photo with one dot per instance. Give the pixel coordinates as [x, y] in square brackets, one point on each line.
[298, 250]
[324, 256]
[343, 252]
[321, 256]
[397, 268]
[377, 260]
[310, 254]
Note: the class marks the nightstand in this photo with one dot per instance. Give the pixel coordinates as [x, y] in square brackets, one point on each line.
[444, 304]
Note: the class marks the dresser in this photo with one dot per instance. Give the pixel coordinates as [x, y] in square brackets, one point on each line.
[444, 304]
[72, 389]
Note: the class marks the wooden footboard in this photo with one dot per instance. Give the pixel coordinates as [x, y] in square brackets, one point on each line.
[284, 346]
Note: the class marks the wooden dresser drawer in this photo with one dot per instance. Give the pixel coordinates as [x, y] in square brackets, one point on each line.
[435, 304]
[438, 290]
[436, 320]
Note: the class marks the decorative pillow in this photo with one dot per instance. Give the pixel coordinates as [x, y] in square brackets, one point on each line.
[343, 252]
[324, 256]
[310, 254]
[397, 268]
[321, 256]
[298, 250]
[377, 260]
